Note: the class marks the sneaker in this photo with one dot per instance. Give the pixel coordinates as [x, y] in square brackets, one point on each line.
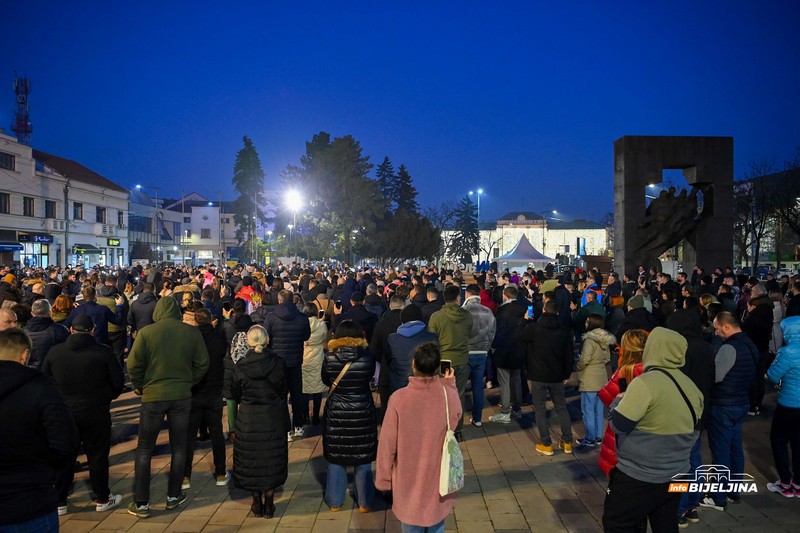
[795, 486]
[692, 516]
[289, 437]
[501, 418]
[363, 509]
[585, 443]
[566, 446]
[784, 490]
[186, 484]
[141, 511]
[544, 449]
[221, 480]
[62, 510]
[172, 503]
[709, 503]
[754, 412]
[598, 442]
[476, 423]
[516, 415]
[489, 384]
[113, 501]
[683, 522]
[298, 432]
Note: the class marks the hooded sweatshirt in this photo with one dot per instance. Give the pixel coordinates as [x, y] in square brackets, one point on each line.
[168, 356]
[400, 348]
[453, 326]
[786, 367]
[654, 425]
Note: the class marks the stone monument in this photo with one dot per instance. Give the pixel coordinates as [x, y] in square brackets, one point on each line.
[642, 233]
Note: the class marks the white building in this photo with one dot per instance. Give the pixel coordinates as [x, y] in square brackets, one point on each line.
[55, 211]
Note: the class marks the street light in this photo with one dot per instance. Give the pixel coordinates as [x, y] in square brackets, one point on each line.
[293, 201]
[479, 192]
[544, 227]
[290, 232]
[155, 215]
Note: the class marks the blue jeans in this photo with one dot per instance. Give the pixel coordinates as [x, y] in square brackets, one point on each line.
[690, 500]
[336, 485]
[725, 439]
[477, 366]
[150, 418]
[436, 528]
[592, 409]
[40, 524]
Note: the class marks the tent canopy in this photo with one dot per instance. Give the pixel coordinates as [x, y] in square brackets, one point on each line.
[524, 252]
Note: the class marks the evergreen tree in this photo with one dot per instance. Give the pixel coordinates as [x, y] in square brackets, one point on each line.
[386, 177]
[466, 237]
[248, 180]
[405, 192]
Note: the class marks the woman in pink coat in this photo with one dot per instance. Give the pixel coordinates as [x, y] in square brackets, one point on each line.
[410, 445]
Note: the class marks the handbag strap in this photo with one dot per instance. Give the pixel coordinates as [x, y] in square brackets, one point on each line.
[446, 408]
[339, 377]
[683, 394]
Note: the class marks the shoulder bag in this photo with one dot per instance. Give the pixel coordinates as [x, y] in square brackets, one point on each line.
[339, 378]
[451, 472]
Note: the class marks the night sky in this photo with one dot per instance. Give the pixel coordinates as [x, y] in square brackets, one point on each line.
[524, 99]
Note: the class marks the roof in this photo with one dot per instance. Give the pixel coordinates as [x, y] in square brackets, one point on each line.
[574, 224]
[527, 216]
[76, 171]
[524, 252]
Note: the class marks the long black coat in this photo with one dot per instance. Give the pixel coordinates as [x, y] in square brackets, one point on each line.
[350, 431]
[260, 451]
[508, 351]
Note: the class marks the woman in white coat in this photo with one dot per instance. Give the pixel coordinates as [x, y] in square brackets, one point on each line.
[313, 387]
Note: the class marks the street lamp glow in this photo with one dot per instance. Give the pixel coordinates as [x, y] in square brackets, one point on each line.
[269, 232]
[210, 203]
[293, 200]
[479, 193]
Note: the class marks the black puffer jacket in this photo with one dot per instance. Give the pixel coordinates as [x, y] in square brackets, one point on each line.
[140, 313]
[350, 431]
[45, 334]
[236, 324]
[508, 351]
[549, 349]
[288, 329]
[260, 452]
[217, 350]
[757, 324]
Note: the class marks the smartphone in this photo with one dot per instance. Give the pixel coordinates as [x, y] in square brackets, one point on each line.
[321, 314]
[445, 365]
[530, 311]
[623, 384]
[226, 306]
[338, 304]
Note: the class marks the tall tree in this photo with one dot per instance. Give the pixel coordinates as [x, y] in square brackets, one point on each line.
[442, 218]
[466, 237]
[386, 177]
[406, 193]
[248, 180]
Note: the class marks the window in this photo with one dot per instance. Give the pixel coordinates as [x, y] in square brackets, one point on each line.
[226, 220]
[5, 203]
[27, 206]
[77, 211]
[188, 234]
[187, 220]
[205, 233]
[6, 161]
[49, 209]
[101, 215]
[121, 219]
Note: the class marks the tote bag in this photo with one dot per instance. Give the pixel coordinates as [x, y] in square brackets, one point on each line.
[451, 472]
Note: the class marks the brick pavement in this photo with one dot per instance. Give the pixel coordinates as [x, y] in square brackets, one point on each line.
[509, 487]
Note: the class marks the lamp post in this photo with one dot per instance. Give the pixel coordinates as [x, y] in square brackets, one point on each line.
[269, 244]
[478, 193]
[155, 214]
[544, 228]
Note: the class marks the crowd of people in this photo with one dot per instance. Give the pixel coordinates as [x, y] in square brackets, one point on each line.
[657, 363]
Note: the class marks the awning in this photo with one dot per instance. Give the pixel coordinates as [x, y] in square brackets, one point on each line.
[86, 249]
[10, 247]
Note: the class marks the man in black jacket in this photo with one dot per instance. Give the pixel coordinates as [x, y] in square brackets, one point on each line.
[550, 360]
[38, 438]
[90, 377]
[757, 324]
[508, 356]
[44, 333]
[357, 313]
[288, 329]
[207, 401]
[141, 311]
[385, 327]
[638, 317]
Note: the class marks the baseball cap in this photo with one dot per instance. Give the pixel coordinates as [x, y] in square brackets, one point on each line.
[83, 323]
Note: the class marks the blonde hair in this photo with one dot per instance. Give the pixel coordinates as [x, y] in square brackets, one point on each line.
[257, 338]
[630, 352]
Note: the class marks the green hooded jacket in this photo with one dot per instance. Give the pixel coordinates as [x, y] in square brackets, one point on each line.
[168, 356]
[453, 325]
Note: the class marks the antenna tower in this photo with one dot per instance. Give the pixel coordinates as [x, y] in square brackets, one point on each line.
[21, 124]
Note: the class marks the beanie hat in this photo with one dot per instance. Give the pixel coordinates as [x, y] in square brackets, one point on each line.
[636, 302]
[410, 313]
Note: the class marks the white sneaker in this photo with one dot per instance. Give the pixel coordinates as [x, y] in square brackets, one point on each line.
[298, 432]
[186, 483]
[62, 510]
[113, 501]
[502, 418]
[289, 437]
[476, 423]
[222, 480]
[489, 384]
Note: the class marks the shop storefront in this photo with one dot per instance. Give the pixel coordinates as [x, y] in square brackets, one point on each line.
[87, 255]
[36, 249]
[9, 253]
[116, 254]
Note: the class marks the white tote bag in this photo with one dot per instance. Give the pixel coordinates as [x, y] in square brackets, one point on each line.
[451, 472]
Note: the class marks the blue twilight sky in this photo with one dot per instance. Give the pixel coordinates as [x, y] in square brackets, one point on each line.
[524, 99]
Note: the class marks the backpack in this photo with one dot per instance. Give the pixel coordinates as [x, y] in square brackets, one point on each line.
[239, 346]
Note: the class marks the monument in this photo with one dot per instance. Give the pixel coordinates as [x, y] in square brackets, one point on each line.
[702, 215]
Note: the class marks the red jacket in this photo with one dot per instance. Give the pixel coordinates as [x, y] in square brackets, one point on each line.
[486, 300]
[608, 453]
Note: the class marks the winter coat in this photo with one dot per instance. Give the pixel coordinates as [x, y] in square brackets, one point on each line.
[38, 438]
[453, 326]
[595, 354]
[357, 313]
[786, 367]
[260, 451]
[88, 374]
[410, 449]
[236, 324]
[428, 308]
[758, 323]
[141, 311]
[44, 334]
[608, 451]
[484, 325]
[549, 352]
[639, 318]
[313, 356]
[168, 357]
[101, 316]
[486, 301]
[508, 351]
[776, 342]
[350, 431]
[217, 350]
[400, 349]
[288, 329]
